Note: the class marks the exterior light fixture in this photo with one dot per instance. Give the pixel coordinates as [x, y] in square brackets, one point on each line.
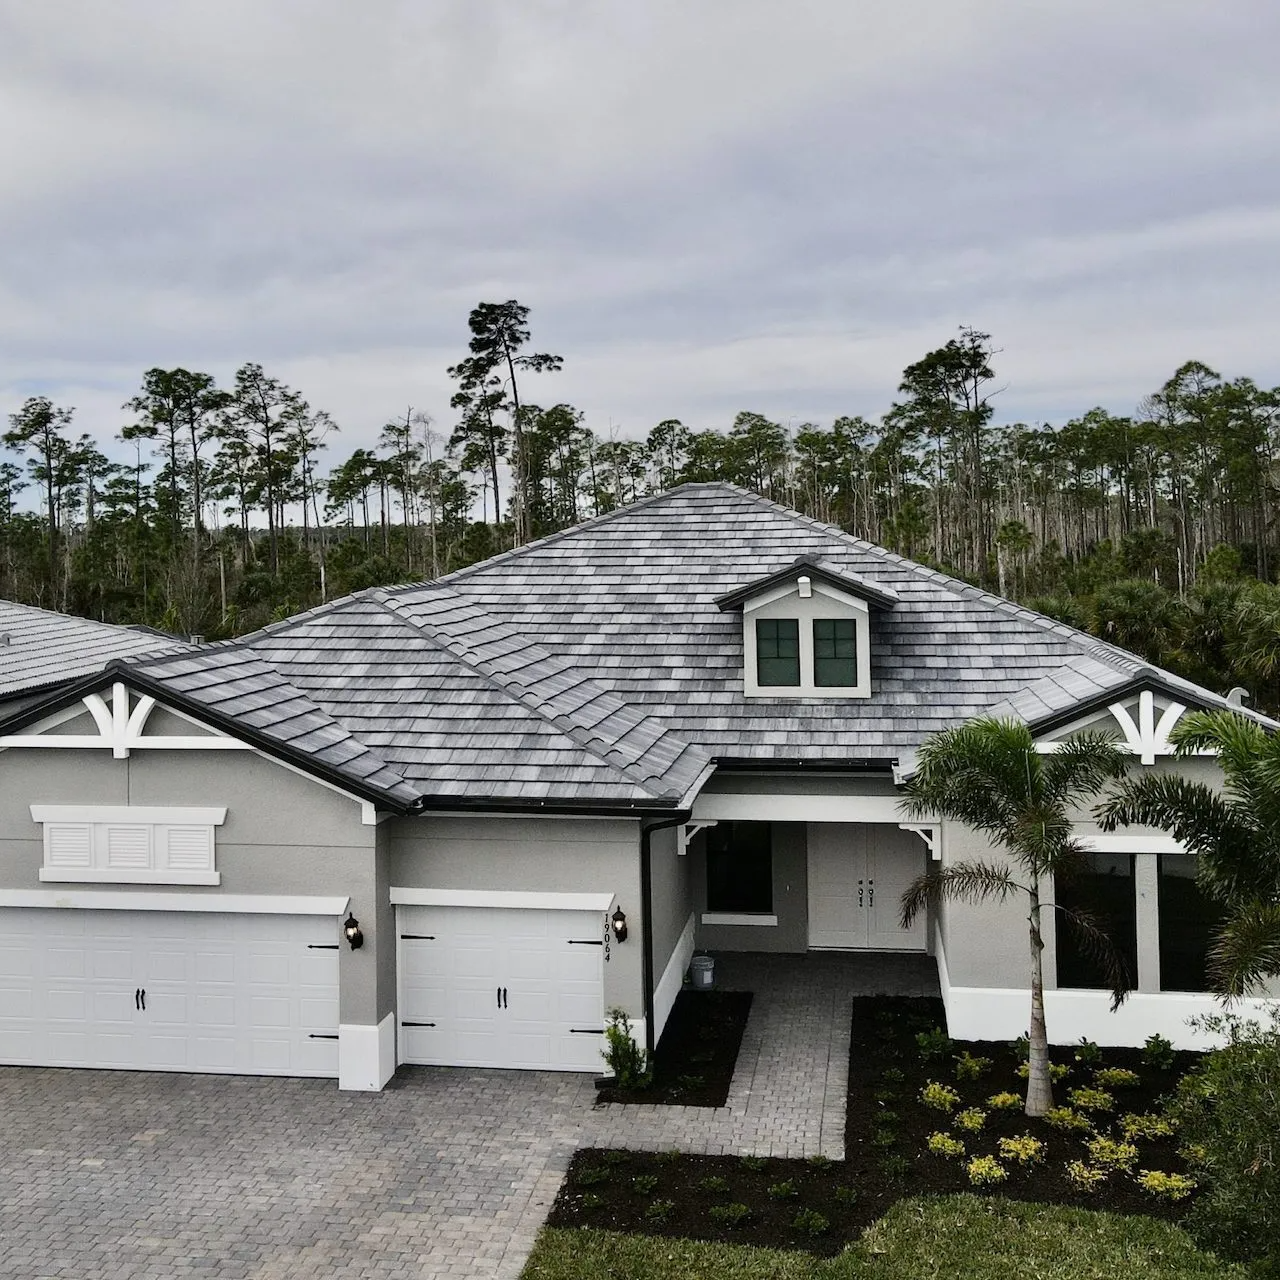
[351, 930]
[619, 922]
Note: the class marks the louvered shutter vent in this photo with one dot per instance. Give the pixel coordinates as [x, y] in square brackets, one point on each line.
[68, 845]
[128, 848]
[190, 849]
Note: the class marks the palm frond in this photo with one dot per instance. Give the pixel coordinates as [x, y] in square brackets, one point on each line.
[1097, 945]
[1246, 950]
[964, 881]
[1080, 767]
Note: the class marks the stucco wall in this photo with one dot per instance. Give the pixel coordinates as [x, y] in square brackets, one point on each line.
[284, 834]
[537, 854]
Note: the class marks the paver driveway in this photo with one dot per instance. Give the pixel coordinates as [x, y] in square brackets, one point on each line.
[125, 1175]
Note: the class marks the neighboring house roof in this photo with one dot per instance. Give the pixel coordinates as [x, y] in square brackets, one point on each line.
[41, 649]
[598, 669]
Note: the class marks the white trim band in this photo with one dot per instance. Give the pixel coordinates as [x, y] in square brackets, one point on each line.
[512, 899]
[716, 806]
[1130, 844]
[739, 917]
[130, 813]
[266, 904]
[108, 875]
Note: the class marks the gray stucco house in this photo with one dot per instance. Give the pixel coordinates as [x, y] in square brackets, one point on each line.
[530, 790]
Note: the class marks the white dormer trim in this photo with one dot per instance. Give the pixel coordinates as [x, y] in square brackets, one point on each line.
[789, 600]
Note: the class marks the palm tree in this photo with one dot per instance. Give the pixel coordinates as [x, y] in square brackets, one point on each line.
[1235, 835]
[988, 775]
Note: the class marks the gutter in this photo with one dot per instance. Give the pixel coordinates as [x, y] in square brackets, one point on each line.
[646, 909]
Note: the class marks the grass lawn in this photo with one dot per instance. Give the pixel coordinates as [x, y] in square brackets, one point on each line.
[938, 1238]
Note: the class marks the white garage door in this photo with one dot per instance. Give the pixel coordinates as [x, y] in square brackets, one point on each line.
[168, 991]
[501, 987]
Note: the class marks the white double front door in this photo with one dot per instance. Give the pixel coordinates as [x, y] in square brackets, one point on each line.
[858, 873]
[501, 987]
[169, 991]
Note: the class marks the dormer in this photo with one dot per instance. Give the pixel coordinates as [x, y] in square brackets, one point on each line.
[806, 631]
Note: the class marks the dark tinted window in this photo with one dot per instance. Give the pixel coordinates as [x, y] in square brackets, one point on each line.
[777, 651]
[835, 651]
[740, 867]
[1188, 923]
[1106, 892]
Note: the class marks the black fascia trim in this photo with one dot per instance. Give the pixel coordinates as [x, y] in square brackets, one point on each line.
[749, 764]
[582, 808]
[118, 670]
[851, 584]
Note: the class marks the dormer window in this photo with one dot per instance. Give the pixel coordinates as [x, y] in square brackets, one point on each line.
[806, 632]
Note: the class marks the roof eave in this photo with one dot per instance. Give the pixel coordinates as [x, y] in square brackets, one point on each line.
[867, 591]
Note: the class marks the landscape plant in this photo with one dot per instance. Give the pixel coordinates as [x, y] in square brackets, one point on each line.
[623, 1056]
[988, 775]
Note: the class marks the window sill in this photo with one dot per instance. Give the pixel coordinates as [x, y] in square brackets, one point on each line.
[738, 917]
[90, 875]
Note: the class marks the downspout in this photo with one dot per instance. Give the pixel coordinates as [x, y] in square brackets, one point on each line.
[646, 908]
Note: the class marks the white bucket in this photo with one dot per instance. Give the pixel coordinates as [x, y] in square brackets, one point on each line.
[702, 973]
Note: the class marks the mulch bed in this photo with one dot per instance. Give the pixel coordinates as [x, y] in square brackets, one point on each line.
[670, 1194]
[694, 1060]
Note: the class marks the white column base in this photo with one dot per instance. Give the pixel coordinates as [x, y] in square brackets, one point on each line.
[366, 1055]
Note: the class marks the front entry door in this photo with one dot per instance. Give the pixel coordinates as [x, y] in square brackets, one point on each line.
[858, 873]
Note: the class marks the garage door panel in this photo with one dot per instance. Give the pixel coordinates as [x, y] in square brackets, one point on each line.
[209, 1006]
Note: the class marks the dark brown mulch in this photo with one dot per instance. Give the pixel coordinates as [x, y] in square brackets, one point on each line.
[694, 1060]
[887, 1159]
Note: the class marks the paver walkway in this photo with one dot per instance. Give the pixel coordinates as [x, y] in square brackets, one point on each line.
[445, 1173]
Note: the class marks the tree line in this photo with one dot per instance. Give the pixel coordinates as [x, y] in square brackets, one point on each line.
[1155, 529]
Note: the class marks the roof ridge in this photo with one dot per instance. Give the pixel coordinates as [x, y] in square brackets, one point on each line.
[1100, 649]
[585, 737]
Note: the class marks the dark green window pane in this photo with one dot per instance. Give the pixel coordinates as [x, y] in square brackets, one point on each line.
[740, 867]
[835, 652]
[1188, 924]
[777, 651]
[1107, 893]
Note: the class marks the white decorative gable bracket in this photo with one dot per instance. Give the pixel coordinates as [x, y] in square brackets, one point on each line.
[121, 729]
[1149, 737]
[930, 833]
[686, 833]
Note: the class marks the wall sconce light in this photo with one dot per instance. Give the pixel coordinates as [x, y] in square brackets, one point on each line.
[619, 922]
[351, 928]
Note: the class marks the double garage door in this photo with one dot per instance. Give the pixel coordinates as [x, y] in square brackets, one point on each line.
[501, 987]
[169, 991]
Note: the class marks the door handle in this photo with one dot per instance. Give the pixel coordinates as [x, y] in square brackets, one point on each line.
[504, 997]
[144, 999]
[499, 997]
[871, 893]
[859, 894]
[137, 997]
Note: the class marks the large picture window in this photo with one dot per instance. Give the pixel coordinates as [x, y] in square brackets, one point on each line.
[1188, 924]
[1106, 892]
[777, 651]
[740, 867]
[835, 652]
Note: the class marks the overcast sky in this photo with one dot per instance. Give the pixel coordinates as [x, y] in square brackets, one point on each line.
[709, 205]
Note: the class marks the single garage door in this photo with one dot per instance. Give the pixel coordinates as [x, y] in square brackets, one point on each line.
[169, 991]
[501, 987]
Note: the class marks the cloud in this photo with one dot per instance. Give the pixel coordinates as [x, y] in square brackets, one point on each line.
[708, 207]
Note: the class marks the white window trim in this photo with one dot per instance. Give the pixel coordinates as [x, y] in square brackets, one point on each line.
[845, 606]
[95, 819]
[229, 903]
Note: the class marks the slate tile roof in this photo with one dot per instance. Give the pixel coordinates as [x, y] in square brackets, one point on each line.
[42, 648]
[594, 668]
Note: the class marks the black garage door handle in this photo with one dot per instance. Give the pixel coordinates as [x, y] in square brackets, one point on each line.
[321, 1035]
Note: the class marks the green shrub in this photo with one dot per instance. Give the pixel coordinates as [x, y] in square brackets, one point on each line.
[613, 1157]
[1004, 1102]
[846, 1194]
[1086, 1099]
[591, 1177]
[1157, 1052]
[715, 1183]
[971, 1119]
[1166, 1186]
[969, 1067]
[1107, 1153]
[1021, 1047]
[1116, 1078]
[893, 1075]
[985, 1171]
[943, 1144]
[783, 1190]
[1228, 1114]
[820, 1162]
[810, 1223]
[669, 1156]
[1084, 1177]
[645, 1183]
[754, 1163]
[885, 1138]
[1087, 1053]
[690, 1082]
[895, 1165]
[626, 1059]
[1147, 1126]
[729, 1215]
[1025, 1150]
[941, 1097]
[1058, 1071]
[885, 1095]
[659, 1210]
[1067, 1120]
[933, 1044]
[592, 1201]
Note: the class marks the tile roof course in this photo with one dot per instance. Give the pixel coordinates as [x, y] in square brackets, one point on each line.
[43, 648]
